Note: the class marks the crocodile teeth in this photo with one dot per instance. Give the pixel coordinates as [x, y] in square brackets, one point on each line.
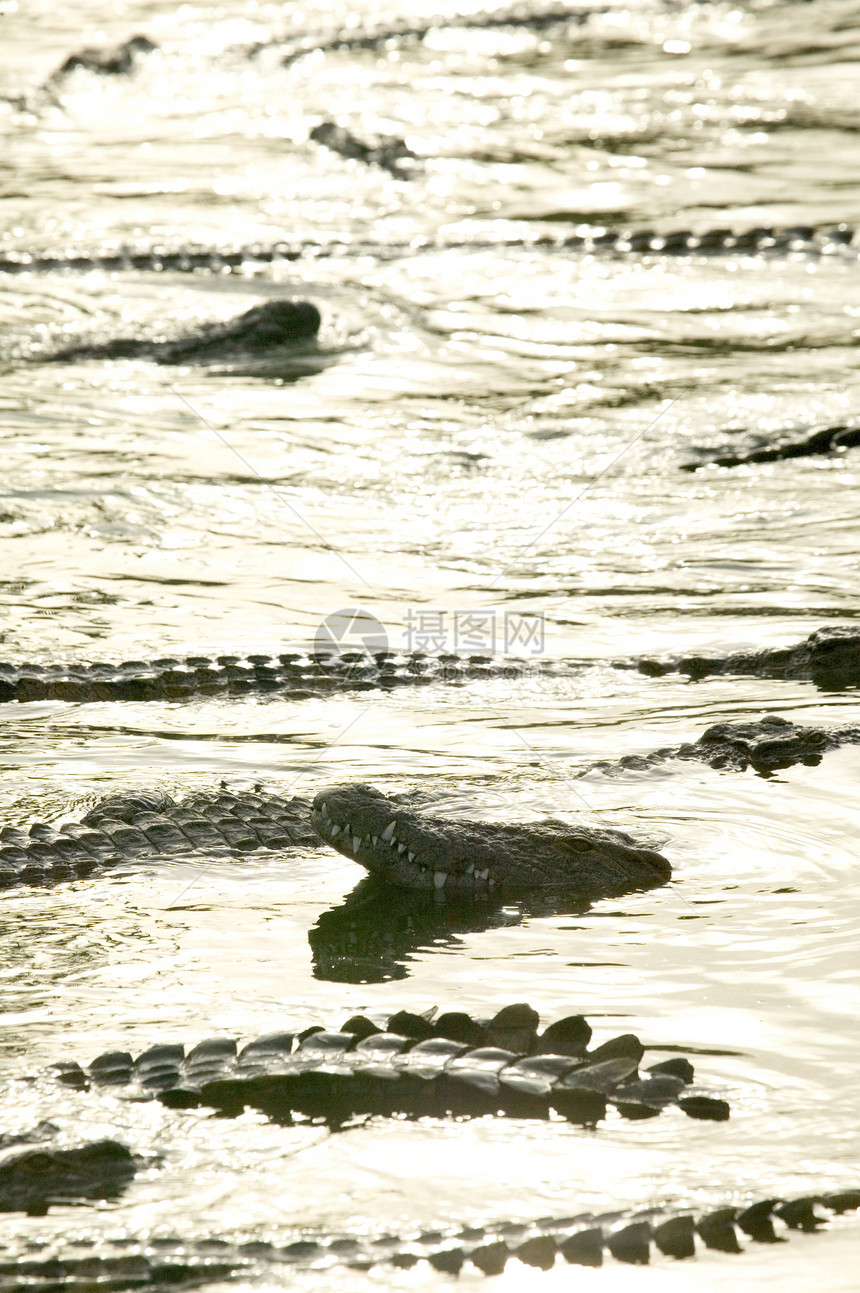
[470, 868]
[411, 857]
[401, 848]
[439, 878]
[334, 829]
[356, 843]
[388, 832]
[374, 839]
[482, 875]
[324, 813]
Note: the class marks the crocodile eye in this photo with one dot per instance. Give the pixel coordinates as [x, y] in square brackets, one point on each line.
[37, 1164]
[578, 844]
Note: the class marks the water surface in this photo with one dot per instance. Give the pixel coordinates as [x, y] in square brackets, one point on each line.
[489, 423]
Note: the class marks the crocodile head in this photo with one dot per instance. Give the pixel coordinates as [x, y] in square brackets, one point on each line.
[30, 1182]
[417, 851]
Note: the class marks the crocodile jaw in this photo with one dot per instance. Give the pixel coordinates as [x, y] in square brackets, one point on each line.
[450, 857]
[366, 826]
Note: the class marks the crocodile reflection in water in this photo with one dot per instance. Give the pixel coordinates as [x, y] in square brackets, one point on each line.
[375, 933]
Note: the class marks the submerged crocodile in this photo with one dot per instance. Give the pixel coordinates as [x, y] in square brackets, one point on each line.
[765, 745]
[387, 151]
[116, 60]
[409, 1065]
[350, 40]
[802, 442]
[35, 1179]
[121, 828]
[829, 657]
[585, 1239]
[413, 850]
[295, 674]
[263, 328]
[807, 240]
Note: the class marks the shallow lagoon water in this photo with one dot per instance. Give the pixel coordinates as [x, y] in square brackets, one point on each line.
[485, 427]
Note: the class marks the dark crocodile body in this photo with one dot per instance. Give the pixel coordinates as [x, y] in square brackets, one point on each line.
[122, 828]
[826, 240]
[388, 152]
[412, 849]
[803, 443]
[765, 745]
[829, 657]
[347, 41]
[118, 60]
[408, 1065]
[293, 674]
[33, 1180]
[585, 1239]
[261, 329]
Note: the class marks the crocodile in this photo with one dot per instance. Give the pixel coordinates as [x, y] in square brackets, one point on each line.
[33, 1180]
[263, 328]
[350, 40]
[479, 857]
[413, 1065]
[584, 1239]
[117, 60]
[765, 745]
[398, 841]
[298, 675]
[121, 828]
[409, 1065]
[829, 657]
[388, 152]
[414, 850]
[803, 442]
[839, 240]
